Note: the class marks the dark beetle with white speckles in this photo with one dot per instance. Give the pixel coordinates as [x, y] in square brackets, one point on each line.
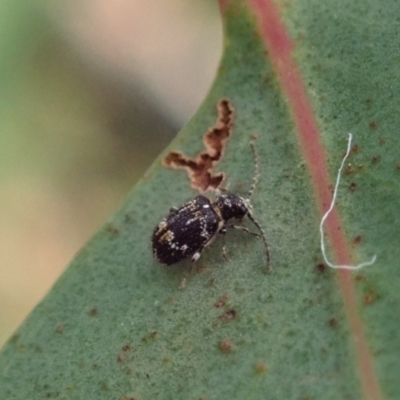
[189, 229]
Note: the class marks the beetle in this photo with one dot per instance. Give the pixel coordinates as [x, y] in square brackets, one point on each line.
[189, 229]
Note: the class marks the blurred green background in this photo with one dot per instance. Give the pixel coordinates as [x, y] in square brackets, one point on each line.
[90, 92]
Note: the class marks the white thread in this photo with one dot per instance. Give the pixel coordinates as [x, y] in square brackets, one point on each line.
[321, 226]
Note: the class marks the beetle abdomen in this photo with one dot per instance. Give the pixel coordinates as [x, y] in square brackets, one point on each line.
[185, 231]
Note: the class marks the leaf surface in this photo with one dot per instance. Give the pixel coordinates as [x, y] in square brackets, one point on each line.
[117, 325]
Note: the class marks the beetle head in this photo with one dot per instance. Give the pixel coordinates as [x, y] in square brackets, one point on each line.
[232, 206]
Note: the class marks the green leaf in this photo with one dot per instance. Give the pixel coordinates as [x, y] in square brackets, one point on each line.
[117, 325]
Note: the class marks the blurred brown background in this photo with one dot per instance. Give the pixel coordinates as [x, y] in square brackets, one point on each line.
[90, 92]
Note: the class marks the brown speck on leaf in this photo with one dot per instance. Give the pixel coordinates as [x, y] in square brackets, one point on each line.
[60, 329]
[120, 358]
[201, 269]
[228, 315]
[225, 346]
[14, 338]
[93, 312]
[267, 80]
[112, 229]
[359, 278]
[357, 240]
[211, 282]
[382, 140]
[372, 125]
[348, 169]
[398, 166]
[368, 299]
[154, 335]
[221, 302]
[360, 166]
[355, 148]
[321, 267]
[200, 168]
[374, 159]
[126, 348]
[255, 136]
[333, 322]
[260, 368]
[353, 186]
[21, 348]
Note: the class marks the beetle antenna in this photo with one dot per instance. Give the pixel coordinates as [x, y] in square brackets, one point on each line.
[264, 238]
[256, 172]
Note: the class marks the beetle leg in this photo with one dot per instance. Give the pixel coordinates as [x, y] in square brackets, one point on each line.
[223, 232]
[197, 255]
[224, 253]
[243, 228]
